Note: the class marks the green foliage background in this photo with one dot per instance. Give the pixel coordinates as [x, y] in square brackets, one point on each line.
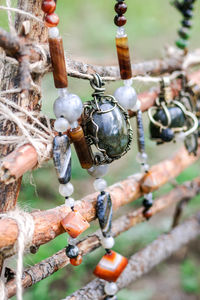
[88, 33]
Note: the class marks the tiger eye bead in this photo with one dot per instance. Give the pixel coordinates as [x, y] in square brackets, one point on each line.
[48, 6]
[120, 20]
[120, 8]
[51, 20]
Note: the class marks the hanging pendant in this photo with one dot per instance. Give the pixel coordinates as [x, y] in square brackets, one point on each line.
[106, 124]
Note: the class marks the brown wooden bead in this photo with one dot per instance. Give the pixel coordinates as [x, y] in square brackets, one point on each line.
[124, 57]
[52, 20]
[120, 8]
[48, 6]
[82, 149]
[58, 62]
[120, 20]
[76, 261]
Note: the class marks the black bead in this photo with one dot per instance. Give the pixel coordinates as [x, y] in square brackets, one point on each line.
[186, 23]
[167, 135]
[104, 212]
[147, 203]
[188, 14]
[72, 251]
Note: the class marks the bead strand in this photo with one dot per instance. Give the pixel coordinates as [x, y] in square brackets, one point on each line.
[125, 95]
[67, 109]
[186, 8]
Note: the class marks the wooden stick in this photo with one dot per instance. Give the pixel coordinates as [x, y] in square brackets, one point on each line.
[145, 260]
[11, 168]
[59, 260]
[47, 223]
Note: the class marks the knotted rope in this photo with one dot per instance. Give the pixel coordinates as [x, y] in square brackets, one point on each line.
[25, 225]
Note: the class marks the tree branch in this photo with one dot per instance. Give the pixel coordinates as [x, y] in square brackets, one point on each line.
[47, 223]
[145, 260]
[59, 260]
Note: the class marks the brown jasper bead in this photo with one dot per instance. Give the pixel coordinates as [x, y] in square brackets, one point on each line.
[76, 261]
[48, 6]
[52, 20]
[120, 8]
[58, 62]
[82, 149]
[120, 20]
[124, 57]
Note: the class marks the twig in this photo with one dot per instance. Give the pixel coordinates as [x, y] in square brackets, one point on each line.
[15, 47]
[145, 260]
[59, 260]
[47, 223]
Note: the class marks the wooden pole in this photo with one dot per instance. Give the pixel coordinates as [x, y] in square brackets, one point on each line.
[145, 260]
[59, 260]
[47, 223]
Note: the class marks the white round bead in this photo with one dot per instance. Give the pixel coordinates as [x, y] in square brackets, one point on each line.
[180, 137]
[98, 171]
[53, 32]
[148, 196]
[61, 125]
[141, 157]
[62, 92]
[72, 241]
[107, 242]
[69, 202]
[144, 168]
[66, 190]
[68, 106]
[126, 96]
[137, 106]
[110, 288]
[100, 185]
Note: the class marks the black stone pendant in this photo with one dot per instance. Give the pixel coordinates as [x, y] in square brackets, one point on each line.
[62, 158]
[166, 134]
[104, 213]
[106, 125]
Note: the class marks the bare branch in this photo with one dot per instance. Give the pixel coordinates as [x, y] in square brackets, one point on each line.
[145, 260]
[59, 260]
[47, 223]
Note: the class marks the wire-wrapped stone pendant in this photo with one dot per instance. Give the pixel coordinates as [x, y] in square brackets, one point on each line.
[111, 266]
[106, 124]
[62, 158]
[104, 213]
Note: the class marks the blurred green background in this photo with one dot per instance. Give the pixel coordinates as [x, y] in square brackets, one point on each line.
[88, 32]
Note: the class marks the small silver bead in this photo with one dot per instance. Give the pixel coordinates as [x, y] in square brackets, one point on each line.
[61, 125]
[66, 190]
[144, 168]
[126, 96]
[53, 32]
[100, 185]
[110, 288]
[141, 157]
[98, 171]
[107, 242]
[69, 202]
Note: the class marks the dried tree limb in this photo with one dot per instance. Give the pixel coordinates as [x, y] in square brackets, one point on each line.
[145, 260]
[13, 167]
[47, 223]
[59, 260]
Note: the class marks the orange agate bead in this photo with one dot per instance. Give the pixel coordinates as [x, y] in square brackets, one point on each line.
[76, 261]
[111, 266]
[48, 6]
[52, 20]
[74, 224]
